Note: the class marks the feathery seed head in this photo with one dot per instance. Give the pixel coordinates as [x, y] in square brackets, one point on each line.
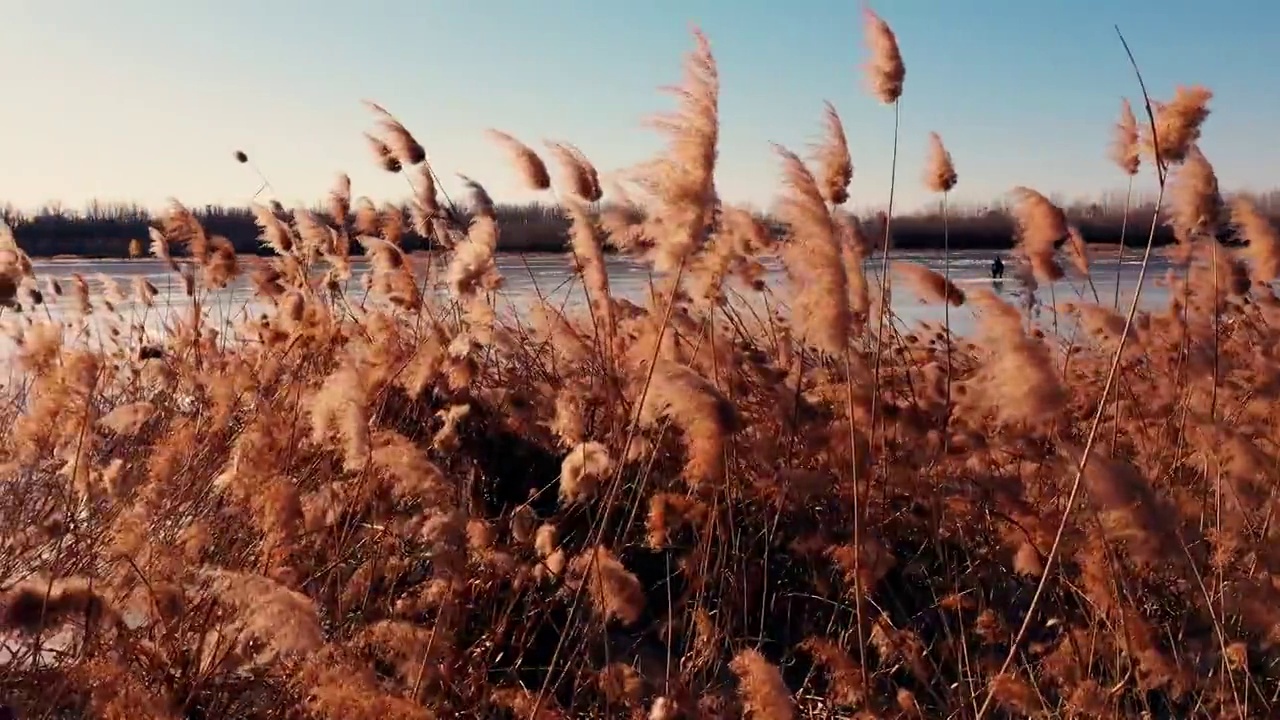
[940, 172]
[1195, 204]
[1178, 123]
[1263, 241]
[382, 152]
[834, 161]
[682, 180]
[398, 139]
[764, 693]
[531, 167]
[885, 69]
[481, 202]
[931, 285]
[1125, 145]
[1041, 225]
[813, 256]
[579, 174]
[340, 200]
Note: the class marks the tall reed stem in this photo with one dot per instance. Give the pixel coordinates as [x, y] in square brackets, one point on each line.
[946, 310]
[859, 507]
[884, 274]
[1124, 226]
[1112, 374]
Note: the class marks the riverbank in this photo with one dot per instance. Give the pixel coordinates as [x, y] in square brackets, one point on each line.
[109, 233]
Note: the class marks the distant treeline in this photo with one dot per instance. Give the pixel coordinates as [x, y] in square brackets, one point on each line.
[109, 230]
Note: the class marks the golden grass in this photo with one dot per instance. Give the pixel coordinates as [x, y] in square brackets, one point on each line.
[390, 504]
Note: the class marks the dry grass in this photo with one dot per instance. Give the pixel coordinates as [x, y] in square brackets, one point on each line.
[388, 504]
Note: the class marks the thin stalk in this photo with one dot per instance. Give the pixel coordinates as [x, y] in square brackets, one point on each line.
[266, 184]
[1112, 373]
[1124, 226]
[1049, 564]
[615, 483]
[857, 519]
[884, 278]
[946, 311]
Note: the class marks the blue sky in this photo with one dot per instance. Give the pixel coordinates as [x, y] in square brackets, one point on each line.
[140, 100]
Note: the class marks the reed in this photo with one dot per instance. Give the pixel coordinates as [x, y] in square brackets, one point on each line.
[738, 498]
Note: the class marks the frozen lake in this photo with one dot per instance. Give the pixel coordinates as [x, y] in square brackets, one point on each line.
[528, 276]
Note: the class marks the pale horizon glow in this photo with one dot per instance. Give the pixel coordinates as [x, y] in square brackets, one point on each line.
[138, 101]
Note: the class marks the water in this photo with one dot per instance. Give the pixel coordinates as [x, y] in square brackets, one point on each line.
[533, 275]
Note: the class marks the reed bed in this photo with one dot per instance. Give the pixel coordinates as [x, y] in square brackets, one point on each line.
[380, 504]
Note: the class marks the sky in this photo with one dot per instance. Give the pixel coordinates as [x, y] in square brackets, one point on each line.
[143, 100]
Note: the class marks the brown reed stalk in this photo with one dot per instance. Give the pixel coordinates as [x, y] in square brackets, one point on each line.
[1126, 154]
[683, 182]
[886, 72]
[244, 159]
[1157, 145]
[940, 177]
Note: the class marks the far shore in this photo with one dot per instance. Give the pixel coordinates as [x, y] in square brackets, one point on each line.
[124, 232]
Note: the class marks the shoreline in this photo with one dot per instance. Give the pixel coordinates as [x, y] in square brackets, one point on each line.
[76, 238]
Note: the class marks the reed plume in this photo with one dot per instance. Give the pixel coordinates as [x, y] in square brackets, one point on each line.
[940, 177]
[397, 137]
[845, 683]
[701, 412]
[932, 286]
[1077, 251]
[886, 73]
[589, 252]
[1128, 510]
[940, 172]
[340, 200]
[1195, 205]
[764, 693]
[581, 178]
[682, 180]
[383, 153]
[473, 269]
[428, 221]
[160, 248]
[614, 591]
[835, 164]
[823, 319]
[582, 471]
[1125, 143]
[1262, 249]
[143, 291]
[1017, 382]
[1178, 123]
[1041, 225]
[531, 168]
[180, 226]
[854, 249]
[885, 69]
[14, 265]
[481, 202]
